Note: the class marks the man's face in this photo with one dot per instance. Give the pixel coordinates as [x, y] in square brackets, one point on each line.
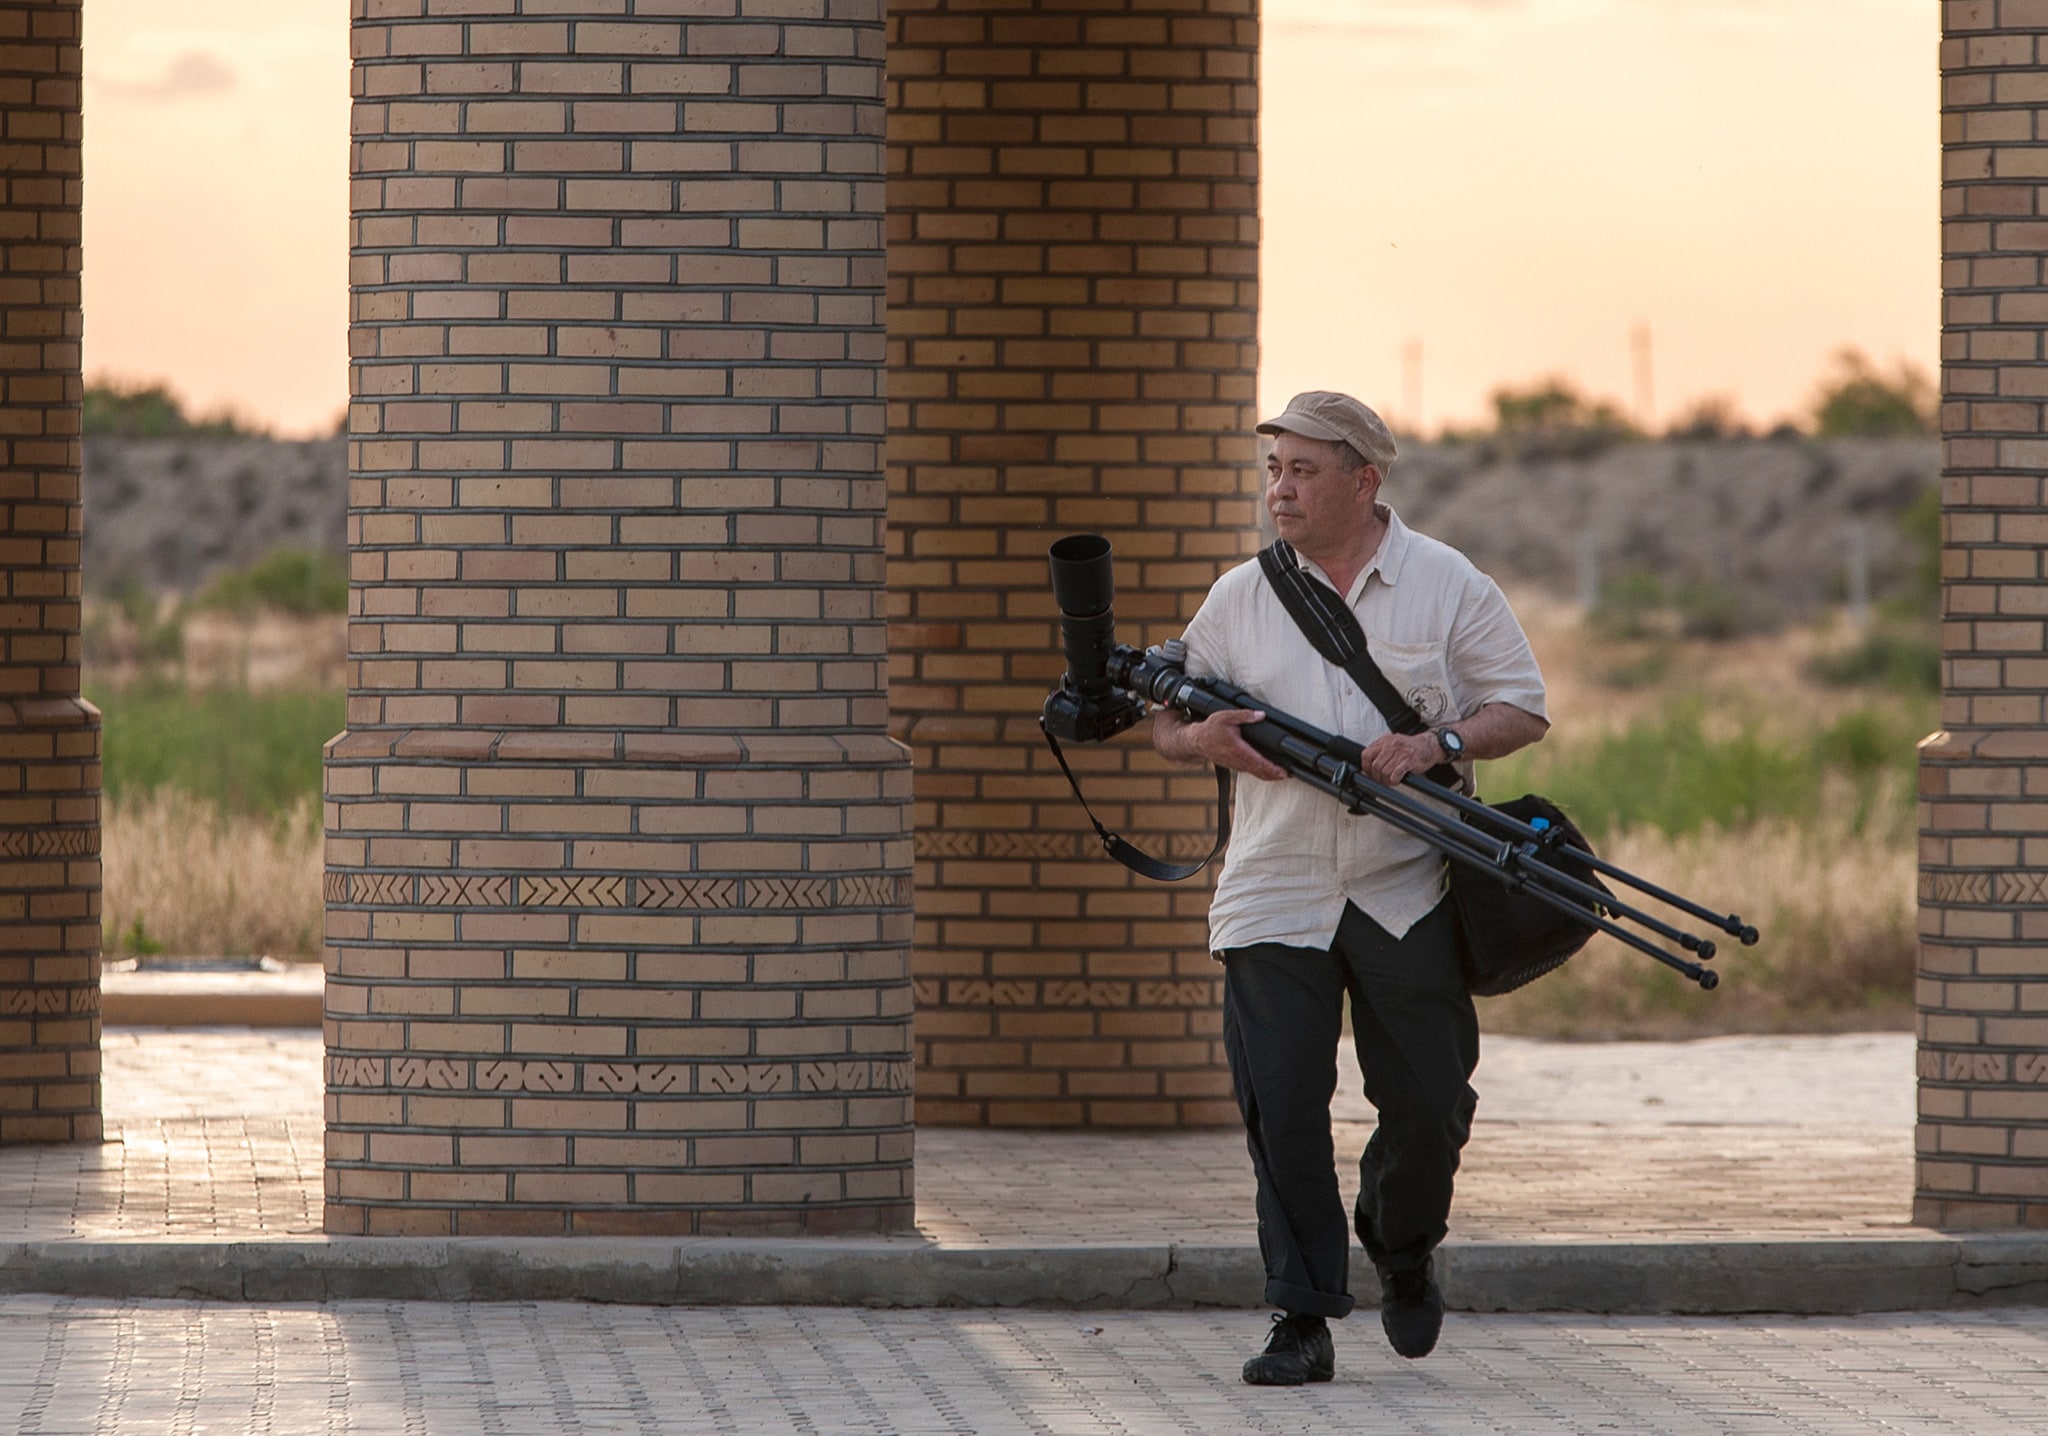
[1317, 504]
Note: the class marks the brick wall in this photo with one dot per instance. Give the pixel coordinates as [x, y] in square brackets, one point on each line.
[618, 844]
[1983, 1132]
[1073, 255]
[49, 737]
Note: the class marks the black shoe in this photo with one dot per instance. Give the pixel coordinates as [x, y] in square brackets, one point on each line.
[1299, 1351]
[1411, 1310]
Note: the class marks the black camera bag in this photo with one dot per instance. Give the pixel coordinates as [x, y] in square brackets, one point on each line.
[1506, 938]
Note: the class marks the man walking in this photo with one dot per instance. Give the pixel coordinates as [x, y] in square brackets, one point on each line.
[1314, 904]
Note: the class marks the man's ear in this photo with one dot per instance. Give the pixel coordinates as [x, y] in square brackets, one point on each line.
[1371, 481]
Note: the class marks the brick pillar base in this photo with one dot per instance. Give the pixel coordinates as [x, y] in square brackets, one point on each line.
[618, 843]
[1073, 256]
[1983, 991]
[49, 737]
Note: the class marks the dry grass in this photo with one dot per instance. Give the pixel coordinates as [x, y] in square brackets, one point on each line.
[1599, 684]
[257, 651]
[1836, 911]
[183, 878]
[1835, 902]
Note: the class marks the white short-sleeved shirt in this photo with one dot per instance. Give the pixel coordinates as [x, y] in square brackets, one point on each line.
[1443, 634]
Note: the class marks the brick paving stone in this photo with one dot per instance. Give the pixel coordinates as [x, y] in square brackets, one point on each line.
[72, 1366]
[217, 1132]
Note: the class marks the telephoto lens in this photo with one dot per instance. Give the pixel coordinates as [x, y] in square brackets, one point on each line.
[1083, 575]
[1084, 585]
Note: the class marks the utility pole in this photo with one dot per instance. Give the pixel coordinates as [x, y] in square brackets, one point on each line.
[1646, 390]
[1411, 384]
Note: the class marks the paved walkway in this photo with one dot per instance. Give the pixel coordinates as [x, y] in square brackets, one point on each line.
[434, 1369]
[216, 1138]
[216, 1132]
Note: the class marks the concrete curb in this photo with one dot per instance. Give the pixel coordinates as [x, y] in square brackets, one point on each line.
[213, 999]
[1810, 1277]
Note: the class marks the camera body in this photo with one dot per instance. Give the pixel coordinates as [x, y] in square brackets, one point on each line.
[1075, 718]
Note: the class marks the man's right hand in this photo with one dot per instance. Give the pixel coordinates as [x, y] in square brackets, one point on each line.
[1215, 739]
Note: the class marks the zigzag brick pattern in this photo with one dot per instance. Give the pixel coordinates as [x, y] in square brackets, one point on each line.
[1073, 312]
[49, 736]
[619, 853]
[1983, 973]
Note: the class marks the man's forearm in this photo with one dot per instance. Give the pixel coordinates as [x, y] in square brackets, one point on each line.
[1498, 729]
[1172, 738]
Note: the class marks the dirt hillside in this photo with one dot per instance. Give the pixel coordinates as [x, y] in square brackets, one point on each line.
[1779, 513]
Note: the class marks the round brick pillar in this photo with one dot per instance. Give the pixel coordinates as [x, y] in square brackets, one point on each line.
[1983, 1128]
[1073, 254]
[618, 843]
[49, 736]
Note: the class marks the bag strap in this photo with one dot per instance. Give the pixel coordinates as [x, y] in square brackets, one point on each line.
[1330, 626]
[1142, 863]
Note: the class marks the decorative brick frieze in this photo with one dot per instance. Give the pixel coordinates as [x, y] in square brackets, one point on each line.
[618, 843]
[1983, 979]
[49, 736]
[1073, 313]
[673, 894]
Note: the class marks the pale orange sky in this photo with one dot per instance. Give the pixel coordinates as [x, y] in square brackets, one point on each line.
[1513, 185]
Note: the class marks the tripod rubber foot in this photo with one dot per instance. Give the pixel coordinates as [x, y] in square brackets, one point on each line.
[1708, 981]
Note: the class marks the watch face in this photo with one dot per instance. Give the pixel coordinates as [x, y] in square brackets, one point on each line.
[1451, 742]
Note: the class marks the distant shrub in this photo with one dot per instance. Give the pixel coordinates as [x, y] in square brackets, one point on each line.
[286, 580]
[1857, 401]
[1645, 670]
[1714, 416]
[1638, 604]
[1884, 658]
[1719, 611]
[1551, 416]
[1920, 522]
[1630, 605]
[152, 411]
[158, 626]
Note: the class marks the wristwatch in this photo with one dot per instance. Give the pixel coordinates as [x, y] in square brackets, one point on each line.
[1451, 743]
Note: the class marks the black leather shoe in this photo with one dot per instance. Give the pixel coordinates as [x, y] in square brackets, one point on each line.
[1411, 1310]
[1299, 1351]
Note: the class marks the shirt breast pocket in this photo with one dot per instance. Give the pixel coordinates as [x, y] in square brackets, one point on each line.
[1420, 673]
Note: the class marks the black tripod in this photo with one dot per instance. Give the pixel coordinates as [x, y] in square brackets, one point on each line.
[1524, 857]
[1104, 693]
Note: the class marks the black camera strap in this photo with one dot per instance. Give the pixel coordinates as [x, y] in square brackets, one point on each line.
[1330, 626]
[1141, 863]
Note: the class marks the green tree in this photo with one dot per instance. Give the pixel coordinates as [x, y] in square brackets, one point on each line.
[1856, 400]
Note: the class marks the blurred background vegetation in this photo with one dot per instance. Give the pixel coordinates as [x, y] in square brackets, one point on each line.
[152, 411]
[1703, 739]
[215, 708]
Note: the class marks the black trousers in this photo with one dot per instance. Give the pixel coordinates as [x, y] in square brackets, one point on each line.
[1418, 1043]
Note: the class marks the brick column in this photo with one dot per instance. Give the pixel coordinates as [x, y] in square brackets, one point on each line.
[49, 736]
[1983, 1133]
[618, 848]
[1073, 255]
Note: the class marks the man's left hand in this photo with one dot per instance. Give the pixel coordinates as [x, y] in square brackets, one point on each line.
[1390, 759]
